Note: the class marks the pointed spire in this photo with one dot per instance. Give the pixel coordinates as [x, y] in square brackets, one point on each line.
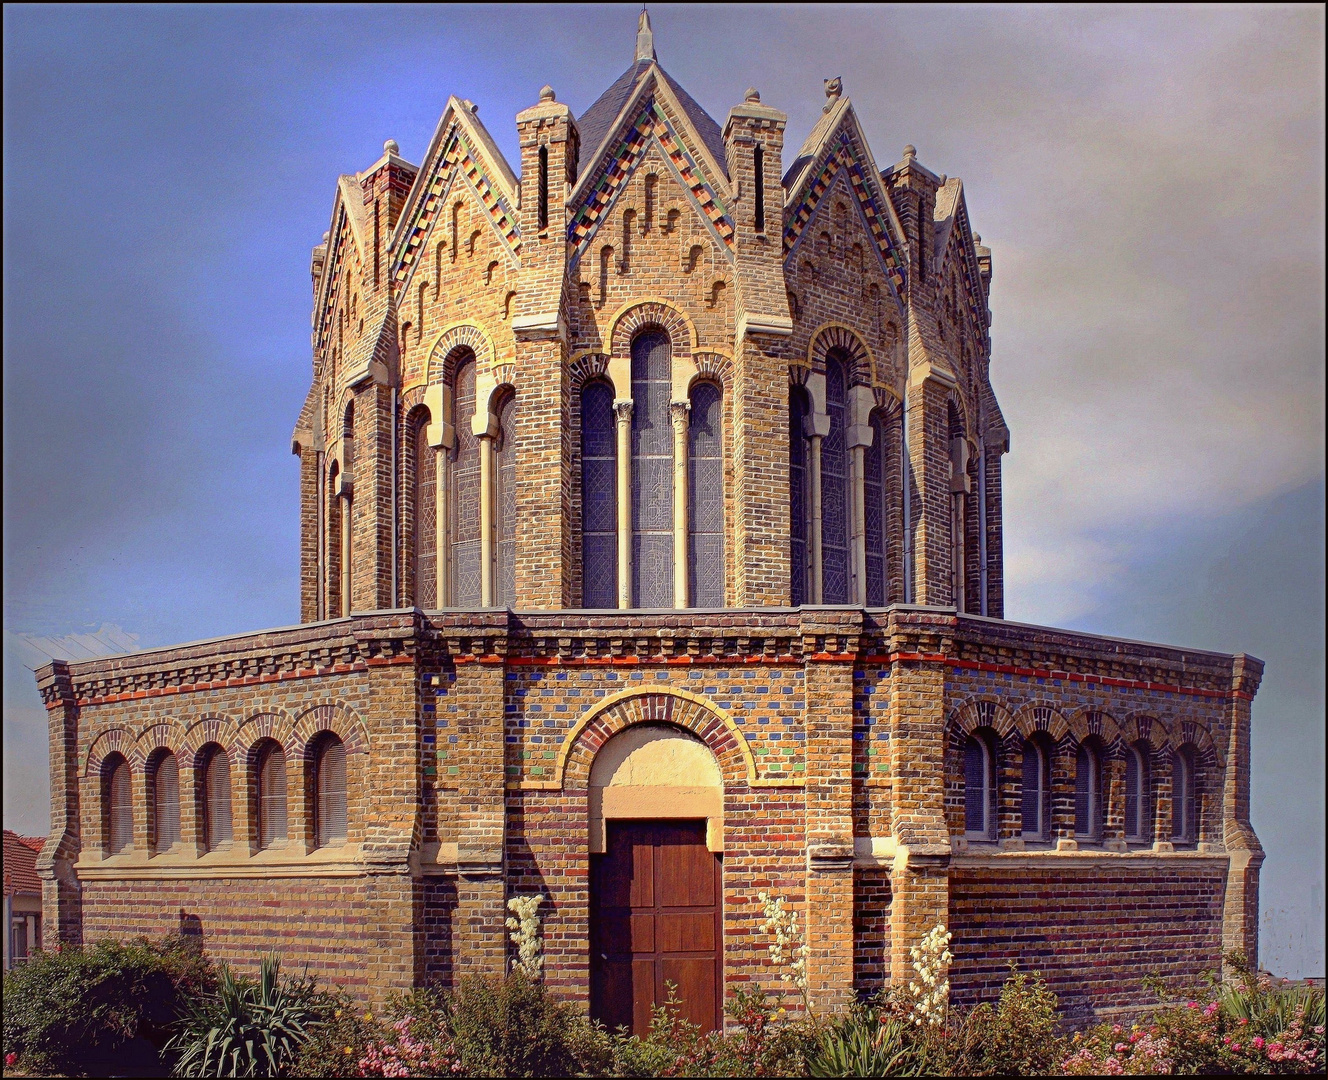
[645, 38]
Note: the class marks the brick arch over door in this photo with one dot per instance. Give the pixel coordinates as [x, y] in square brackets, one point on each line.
[653, 704]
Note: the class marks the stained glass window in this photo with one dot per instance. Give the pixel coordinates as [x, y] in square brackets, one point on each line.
[505, 512]
[426, 520]
[652, 472]
[798, 412]
[834, 486]
[465, 491]
[599, 500]
[705, 487]
[875, 486]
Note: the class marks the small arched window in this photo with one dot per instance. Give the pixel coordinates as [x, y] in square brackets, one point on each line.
[1184, 804]
[165, 803]
[464, 520]
[426, 518]
[216, 792]
[329, 762]
[799, 410]
[543, 211]
[652, 471]
[705, 517]
[1136, 794]
[758, 168]
[117, 805]
[271, 794]
[505, 497]
[1036, 794]
[599, 499]
[979, 789]
[1088, 793]
[834, 485]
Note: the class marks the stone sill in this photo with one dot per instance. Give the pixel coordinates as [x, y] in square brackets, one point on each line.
[286, 861]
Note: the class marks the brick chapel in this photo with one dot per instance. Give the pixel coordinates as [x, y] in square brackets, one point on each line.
[651, 559]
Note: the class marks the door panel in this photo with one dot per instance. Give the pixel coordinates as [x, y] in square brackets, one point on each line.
[655, 920]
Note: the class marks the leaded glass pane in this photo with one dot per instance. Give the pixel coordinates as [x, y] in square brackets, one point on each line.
[505, 471]
[874, 489]
[798, 495]
[465, 491]
[652, 472]
[426, 520]
[834, 488]
[705, 465]
[975, 787]
[1032, 792]
[599, 500]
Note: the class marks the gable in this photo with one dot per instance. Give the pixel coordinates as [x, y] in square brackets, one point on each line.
[456, 165]
[652, 127]
[955, 243]
[342, 260]
[841, 155]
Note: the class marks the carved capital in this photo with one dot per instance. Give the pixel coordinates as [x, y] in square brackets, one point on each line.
[622, 408]
[678, 412]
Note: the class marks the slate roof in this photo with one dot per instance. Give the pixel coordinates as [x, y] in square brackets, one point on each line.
[595, 122]
[21, 863]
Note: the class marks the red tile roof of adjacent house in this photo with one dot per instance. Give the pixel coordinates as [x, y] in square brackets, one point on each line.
[21, 863]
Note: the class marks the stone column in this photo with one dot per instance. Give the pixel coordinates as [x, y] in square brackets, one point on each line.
[486, 520]
[1113, 830]
[1240, 914]
[1010, 788]
[678, 411]
[344, 513]
[830, 640]
[622, 409]
[442, 549]
[1160, 768]
[860, 436]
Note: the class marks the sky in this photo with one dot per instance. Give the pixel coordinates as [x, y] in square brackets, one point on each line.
[1150, 180]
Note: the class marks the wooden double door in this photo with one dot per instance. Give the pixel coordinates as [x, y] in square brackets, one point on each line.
[655, 920]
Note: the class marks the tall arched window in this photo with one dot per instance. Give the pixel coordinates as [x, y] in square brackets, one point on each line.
[979, 788]
[332, 570]
[599, 499]
[875, 484]
[426, 517]
[165, 803]
[1136, 794]
[799, 410]
[505, 498]
[1036, 793]
[329, 790]
[270, 795]
[465, 491]
[1184, 804]
[1088, 793]
[117, 805]
[705, 490]
[834, 485]
[652, 471]
[216, 791]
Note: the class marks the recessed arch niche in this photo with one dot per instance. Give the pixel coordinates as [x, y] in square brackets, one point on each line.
[658, 772]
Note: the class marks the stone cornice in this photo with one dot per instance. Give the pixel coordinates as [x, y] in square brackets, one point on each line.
[357, 644]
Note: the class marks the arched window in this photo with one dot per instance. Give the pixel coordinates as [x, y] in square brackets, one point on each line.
[329, 791]
[1136, 794]
[505, 498]
[799, 410]
[979, 789]
[705, 490]
[542, 210]
[332, 570]
[875, 484]
[117, 805]
[652, 471]
[1036, 794]
[165, 803]
[834, 485]
[426, 517]
[1088, 793]
[599, 499]
[270, 795]
[465, 491]
[1184, 804]
[216, 793]
[758, 168]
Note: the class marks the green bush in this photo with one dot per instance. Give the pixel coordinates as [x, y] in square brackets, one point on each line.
[339, 1040]
[512, 1027]
[867, 1044]
[246, 1028]
[71, 1010]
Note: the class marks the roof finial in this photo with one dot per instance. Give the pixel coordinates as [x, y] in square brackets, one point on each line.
[645, 38]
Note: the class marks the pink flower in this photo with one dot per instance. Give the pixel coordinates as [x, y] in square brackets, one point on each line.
[10, 1059]
[1242, 1021]
[1191, 1004]
[1210, 1008]
[1258, 1042]
[1235, 1047]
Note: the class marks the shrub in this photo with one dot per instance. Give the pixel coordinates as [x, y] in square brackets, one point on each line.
[246, 1028]
[512, 1027]
[70, 1010]
[867, 1044]
[345, 1030]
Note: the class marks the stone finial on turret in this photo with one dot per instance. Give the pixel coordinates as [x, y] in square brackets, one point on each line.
[833, 89]
[645, 37]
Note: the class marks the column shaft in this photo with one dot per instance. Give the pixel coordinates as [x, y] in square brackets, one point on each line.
[345, 509]
[818, 574]
[486, 521]
[858, 524]
[678, 411]
[623, 412]
[441, 547]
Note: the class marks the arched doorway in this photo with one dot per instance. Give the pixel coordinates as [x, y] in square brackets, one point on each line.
[656, 881]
